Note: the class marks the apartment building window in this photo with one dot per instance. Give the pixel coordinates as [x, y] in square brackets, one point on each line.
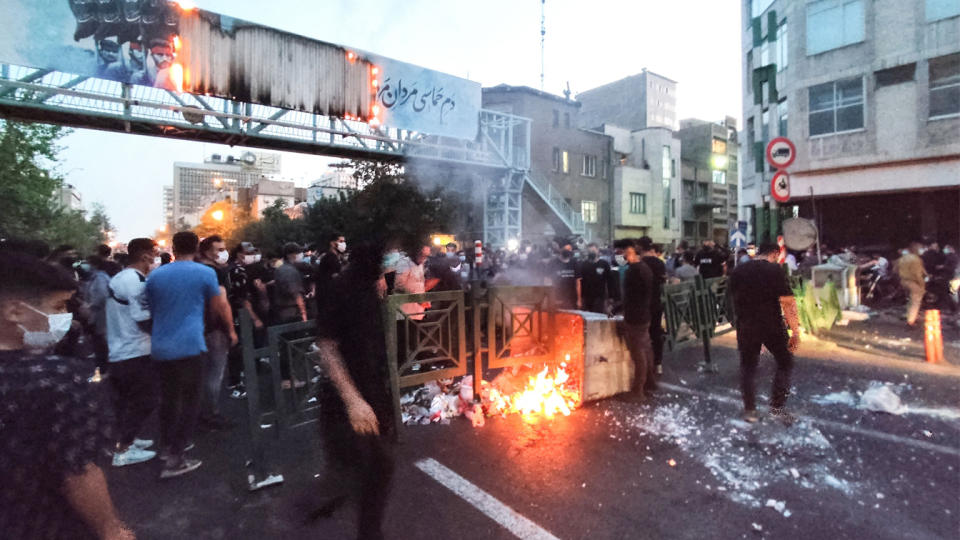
[556, 118]
[834, 23]
[759, 6]
[942, 9]
[604, 169]
[673, 208]
[782, 48]
[782, 118]
[557, 160]
[751, 138]
[566, 119]
[720, 177]
[566, 162]
[638, 203]
[945, 86]
[589, 210]
[588, 166]
[666, 164]
[836, 106]
[765, 126]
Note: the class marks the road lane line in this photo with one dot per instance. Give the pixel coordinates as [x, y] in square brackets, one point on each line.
[828, 423]
[507, 517]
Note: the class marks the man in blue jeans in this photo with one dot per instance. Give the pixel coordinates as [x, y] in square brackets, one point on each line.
[179, 295]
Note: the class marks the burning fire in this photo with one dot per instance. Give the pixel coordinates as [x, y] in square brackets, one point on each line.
[545, 395]
[186, 5]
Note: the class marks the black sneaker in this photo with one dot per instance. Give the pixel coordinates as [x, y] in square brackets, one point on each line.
[179, 467]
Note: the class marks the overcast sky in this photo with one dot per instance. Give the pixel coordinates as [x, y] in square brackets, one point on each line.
[589, 43]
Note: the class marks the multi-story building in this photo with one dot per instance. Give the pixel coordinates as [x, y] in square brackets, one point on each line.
[69, 197]
[168, 220]
[645, 182]
[193, 183]
[332, 184]
[570, 167]
[266, 193]
[636, 102]
[709, 162]
[869, 92]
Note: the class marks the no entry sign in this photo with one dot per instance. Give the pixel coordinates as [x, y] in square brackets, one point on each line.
[781, 152]
[780, 187]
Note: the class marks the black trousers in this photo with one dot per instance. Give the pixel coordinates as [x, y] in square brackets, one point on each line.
[750, 340]
[637, 337]
[135, 389]
[656, 336]
[359, 467]
[180, 383]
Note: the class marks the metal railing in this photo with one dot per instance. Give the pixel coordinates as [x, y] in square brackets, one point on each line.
[557, 202]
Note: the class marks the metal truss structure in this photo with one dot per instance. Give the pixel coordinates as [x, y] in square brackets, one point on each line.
[501, 151]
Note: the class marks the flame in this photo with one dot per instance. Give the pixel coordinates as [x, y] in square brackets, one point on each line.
[176, 77]
[546, 395]
[186, 5]
[177, 43]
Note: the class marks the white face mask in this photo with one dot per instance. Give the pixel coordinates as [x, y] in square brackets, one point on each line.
[223, 256]
[249, 259]
[342, 247]
[257, 257]
[621, 260]
[299, 257]
[155, 264]
[58, 324]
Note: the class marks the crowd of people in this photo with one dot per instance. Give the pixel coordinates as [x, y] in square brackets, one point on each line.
[161, 331]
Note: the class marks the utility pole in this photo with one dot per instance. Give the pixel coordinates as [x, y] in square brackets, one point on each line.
[543, 35]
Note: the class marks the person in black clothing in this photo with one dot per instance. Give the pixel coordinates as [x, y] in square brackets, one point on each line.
[213, 253]
[446, 267]
[239, 293]
[52, 422]
[328, 268]
[357, 411]
[760, 291]
[562, 274]
[637, 293]
[598, 283]
[710, 261]
[648, 254]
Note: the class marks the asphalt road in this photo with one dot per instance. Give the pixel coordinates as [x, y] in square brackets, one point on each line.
[680, 466]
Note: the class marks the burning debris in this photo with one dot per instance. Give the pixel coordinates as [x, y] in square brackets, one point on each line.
[532, 392]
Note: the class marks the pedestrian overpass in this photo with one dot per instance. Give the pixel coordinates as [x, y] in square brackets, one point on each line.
[279, 111]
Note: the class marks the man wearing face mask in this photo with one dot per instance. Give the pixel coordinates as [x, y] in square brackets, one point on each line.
[288, 303]
[599, 282]
[564, 276]
[51, 426]
[329, 267]
[213, 253]
[128, 336]
[239, 293]
[446, 267]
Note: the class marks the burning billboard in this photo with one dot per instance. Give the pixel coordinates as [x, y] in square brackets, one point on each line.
[177, 47]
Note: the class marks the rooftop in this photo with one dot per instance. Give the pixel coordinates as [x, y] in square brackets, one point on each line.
[508, 89]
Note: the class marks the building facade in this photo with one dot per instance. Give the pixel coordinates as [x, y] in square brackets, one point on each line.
[167, 201]
[709, 171]
[640, 101]
[645, 183]
[564, 158]
[69, 197]
[195, 183]
[332, 184]
[869, 92]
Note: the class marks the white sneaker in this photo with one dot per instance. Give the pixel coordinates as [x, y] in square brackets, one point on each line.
[142, 444]
[132, 455]
[660, 369]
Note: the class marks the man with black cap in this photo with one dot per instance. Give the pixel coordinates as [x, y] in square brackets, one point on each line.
[762, 300]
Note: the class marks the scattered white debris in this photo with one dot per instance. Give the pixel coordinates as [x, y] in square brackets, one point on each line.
[880, 398]
[880, 495]
[757, 527]
[779, 506]
[794, 473]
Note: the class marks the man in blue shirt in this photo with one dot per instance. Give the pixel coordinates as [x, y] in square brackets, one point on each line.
[179, 295]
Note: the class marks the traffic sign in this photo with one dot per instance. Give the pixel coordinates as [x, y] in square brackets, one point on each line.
[738, 239]
[780, 187]
[781, 152]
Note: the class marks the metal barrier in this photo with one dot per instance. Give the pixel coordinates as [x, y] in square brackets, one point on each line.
[519, 322]
[698, 306]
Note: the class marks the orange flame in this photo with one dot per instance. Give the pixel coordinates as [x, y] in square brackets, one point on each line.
[177, 44]
[545, 395]
[186, 5]
[176, 77]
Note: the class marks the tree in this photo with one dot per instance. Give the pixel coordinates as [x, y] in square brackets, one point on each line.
[29, 182]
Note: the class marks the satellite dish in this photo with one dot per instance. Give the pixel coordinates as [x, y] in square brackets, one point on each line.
[249, 158]
[799, 234]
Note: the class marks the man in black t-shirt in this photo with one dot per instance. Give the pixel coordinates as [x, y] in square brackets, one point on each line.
[357, 410]
[637, 292]
[760, 291]
[648, 254]
[212, 252]
[329, 266]
[598, 283]
[710, 261]
[562, 274]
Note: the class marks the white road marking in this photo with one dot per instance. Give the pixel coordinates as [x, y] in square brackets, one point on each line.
[828, 423]
[507, 517]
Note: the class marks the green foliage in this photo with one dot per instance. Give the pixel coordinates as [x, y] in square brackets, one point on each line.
[389, 209]
[29, 183]
[814, 315]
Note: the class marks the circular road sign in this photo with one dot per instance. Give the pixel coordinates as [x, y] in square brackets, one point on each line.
[781, 152]
[780, 186]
